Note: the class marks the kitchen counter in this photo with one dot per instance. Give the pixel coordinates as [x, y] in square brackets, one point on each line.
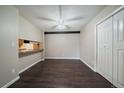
[23, 53]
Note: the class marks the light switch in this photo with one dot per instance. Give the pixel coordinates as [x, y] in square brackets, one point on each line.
[13, 44]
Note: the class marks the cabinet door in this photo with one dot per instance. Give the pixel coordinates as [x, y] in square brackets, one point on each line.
[118, 69]
[104, 37]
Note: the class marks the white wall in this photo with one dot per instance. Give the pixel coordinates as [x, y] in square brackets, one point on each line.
[88, 37]
[30, 32]
[12, 27]
[62, 46]
[8, 44]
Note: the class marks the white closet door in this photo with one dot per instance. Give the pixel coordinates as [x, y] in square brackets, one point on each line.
[118, 75]
[104, 37]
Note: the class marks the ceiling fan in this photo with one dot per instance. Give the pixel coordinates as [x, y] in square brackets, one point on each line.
[60, 23]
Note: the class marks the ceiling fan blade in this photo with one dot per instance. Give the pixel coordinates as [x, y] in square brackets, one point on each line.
[53, 27]
[75, 19]
[60, 12]
[45, 19]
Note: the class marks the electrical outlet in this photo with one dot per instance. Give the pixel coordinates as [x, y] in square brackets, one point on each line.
[13, 71]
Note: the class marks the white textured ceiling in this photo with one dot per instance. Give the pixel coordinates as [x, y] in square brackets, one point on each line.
[34, 13]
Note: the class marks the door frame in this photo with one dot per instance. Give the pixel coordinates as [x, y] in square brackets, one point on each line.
[96, 33]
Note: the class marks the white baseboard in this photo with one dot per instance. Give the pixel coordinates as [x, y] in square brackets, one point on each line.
[42, 59]
[30, 65]
[61, 58]
[117, 85]
[11, 82]
[88, 65]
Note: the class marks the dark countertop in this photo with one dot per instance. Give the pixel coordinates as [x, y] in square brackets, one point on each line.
[23, 53]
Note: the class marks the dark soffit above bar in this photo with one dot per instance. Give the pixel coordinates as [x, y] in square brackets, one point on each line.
[63, 32]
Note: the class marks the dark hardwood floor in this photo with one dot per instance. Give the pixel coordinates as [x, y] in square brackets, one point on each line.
[53, 73]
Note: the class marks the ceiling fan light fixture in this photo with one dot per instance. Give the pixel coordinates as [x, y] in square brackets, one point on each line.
[61, 27]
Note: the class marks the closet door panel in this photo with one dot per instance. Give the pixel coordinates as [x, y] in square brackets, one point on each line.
[118, 68]
[104, 36]
[101, 56]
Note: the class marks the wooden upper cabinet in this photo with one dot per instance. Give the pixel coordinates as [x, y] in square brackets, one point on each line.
[34, 44]
[21, 41]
